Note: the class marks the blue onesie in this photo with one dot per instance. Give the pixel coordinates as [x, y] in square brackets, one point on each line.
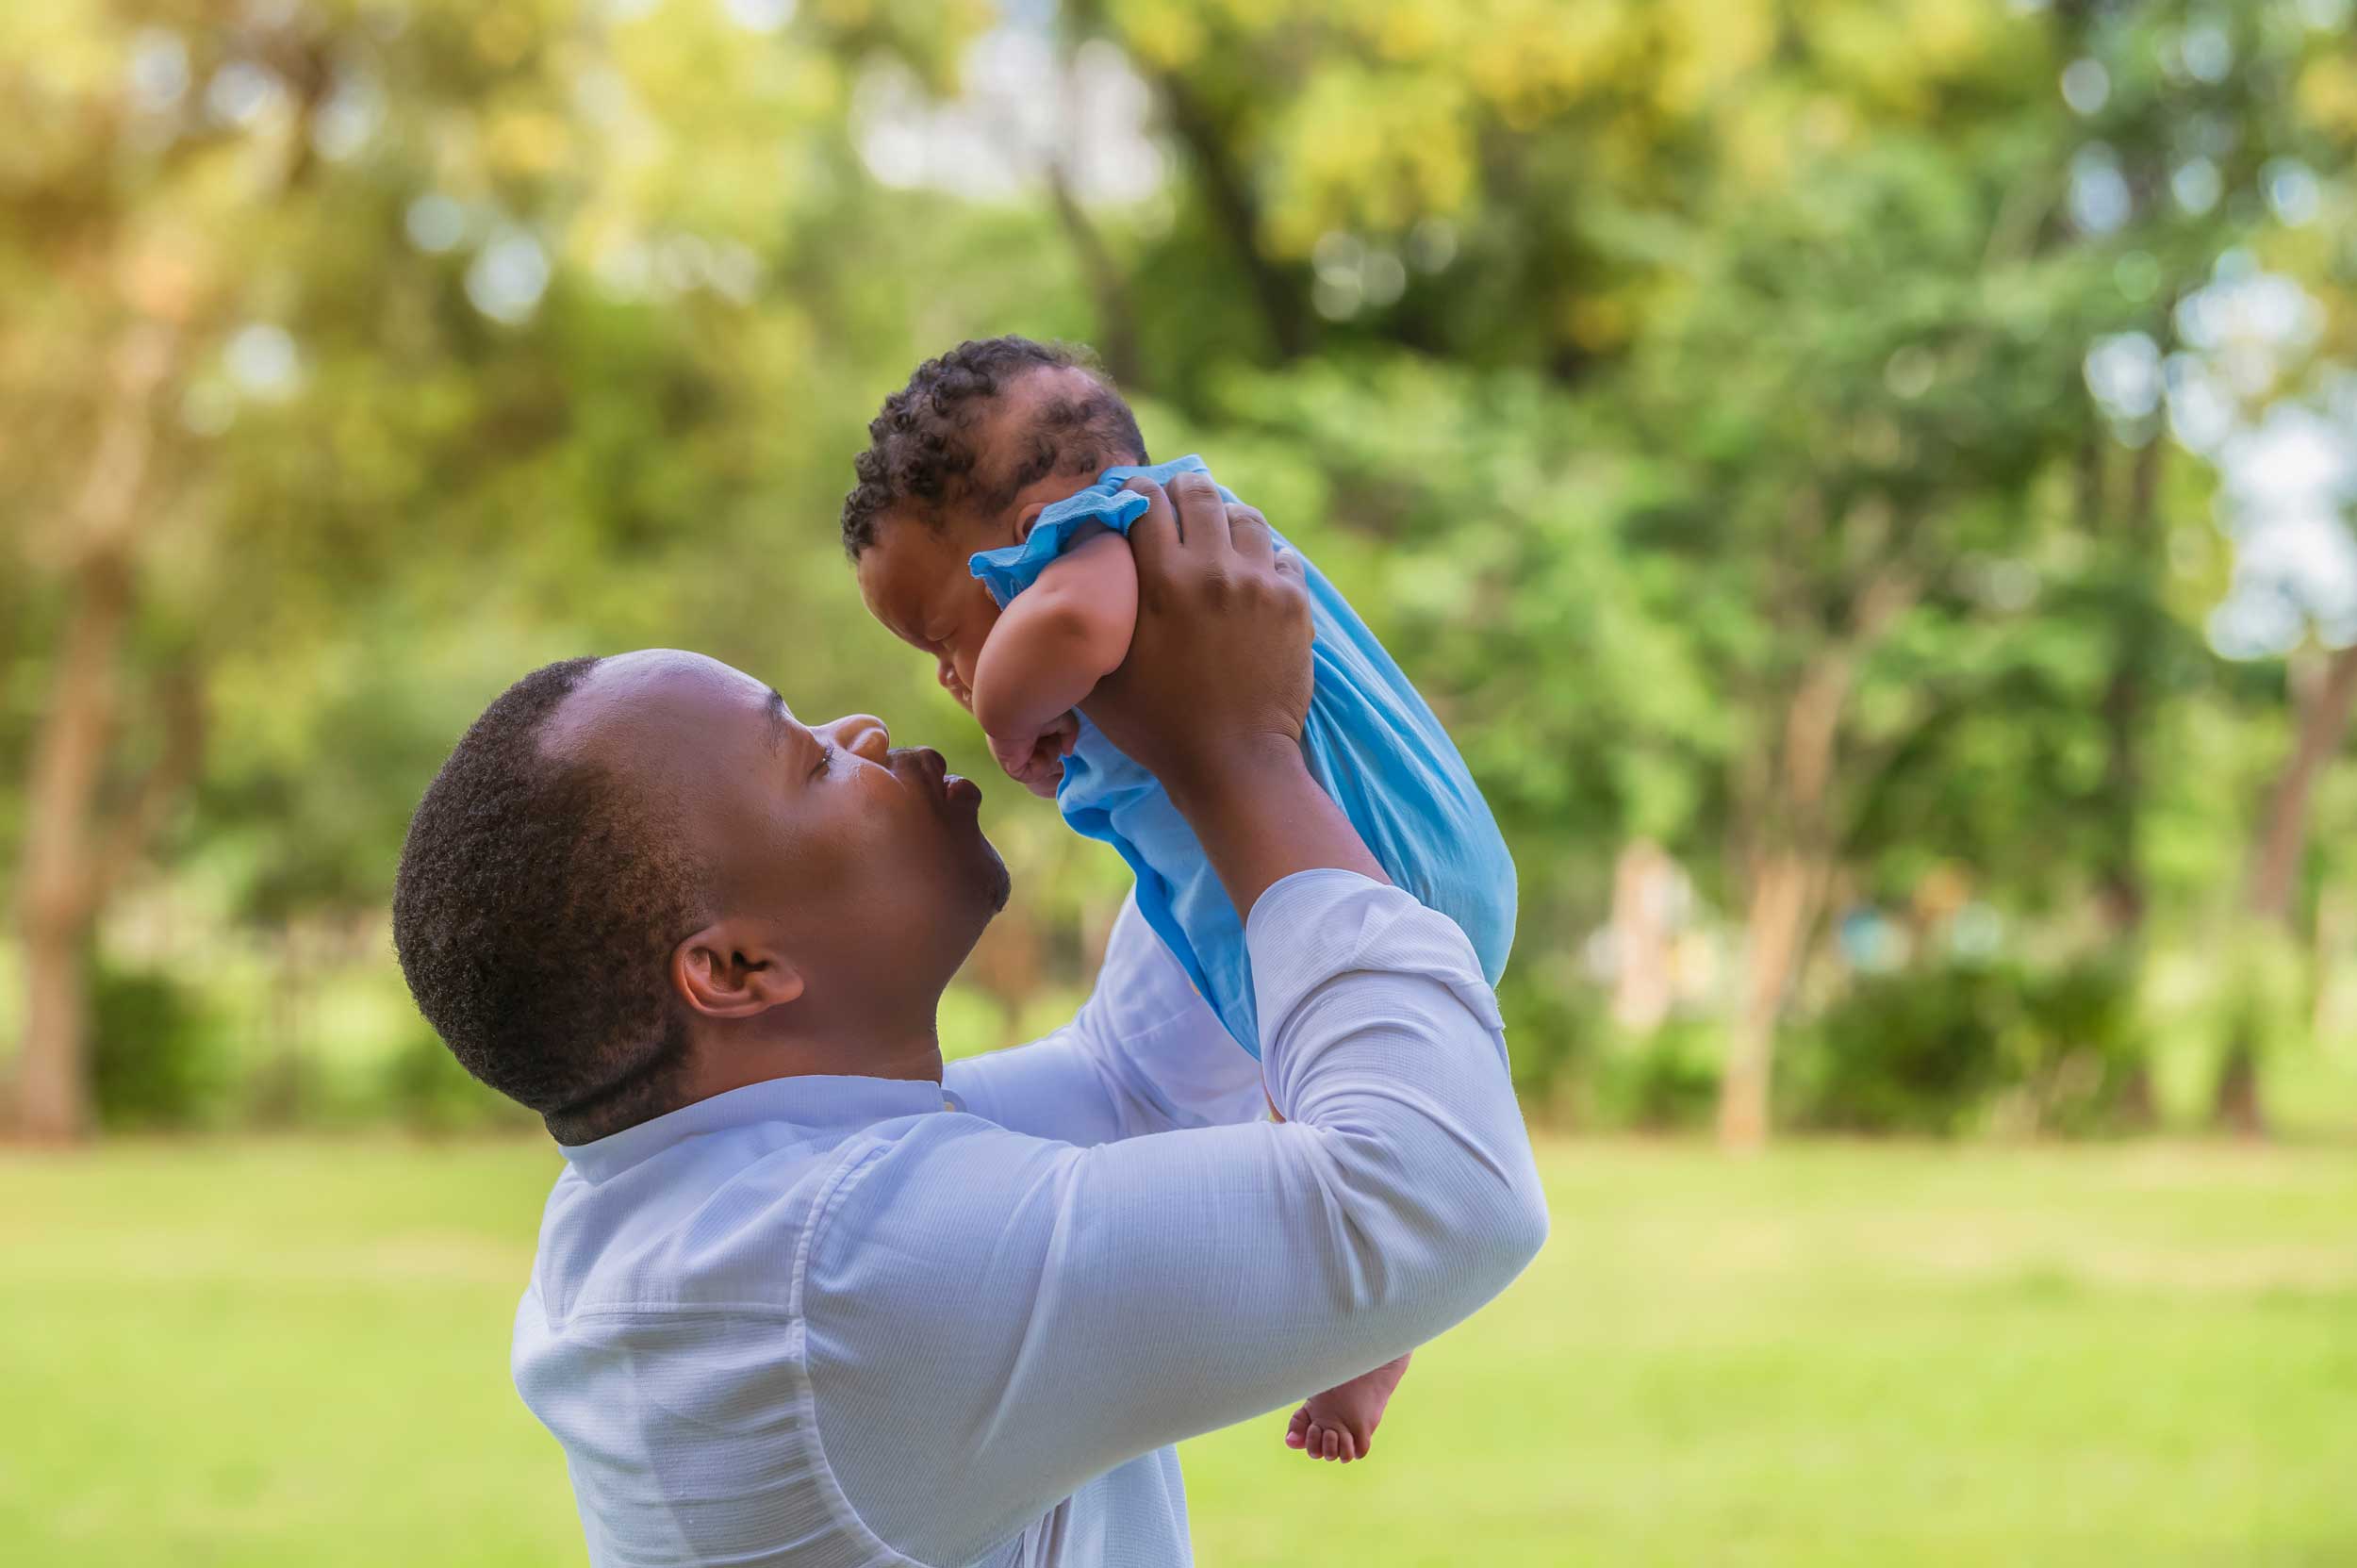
[1371, 744]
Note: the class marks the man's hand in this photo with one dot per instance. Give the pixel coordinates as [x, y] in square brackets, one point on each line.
[1216, 688]
[1037, 762]
[1218, 669]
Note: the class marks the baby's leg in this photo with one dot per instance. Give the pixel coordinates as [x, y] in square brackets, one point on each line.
[1339, 1423]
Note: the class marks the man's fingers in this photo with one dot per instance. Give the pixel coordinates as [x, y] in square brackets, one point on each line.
[1202, 515]
[1250, 531]
[1160, 530]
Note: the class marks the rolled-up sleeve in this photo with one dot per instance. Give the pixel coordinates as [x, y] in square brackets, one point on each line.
[992, 1319]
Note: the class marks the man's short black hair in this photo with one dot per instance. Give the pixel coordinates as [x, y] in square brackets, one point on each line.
[921, 446]
[535, 912]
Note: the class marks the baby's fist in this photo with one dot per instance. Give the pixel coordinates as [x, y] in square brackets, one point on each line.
[1037, 762]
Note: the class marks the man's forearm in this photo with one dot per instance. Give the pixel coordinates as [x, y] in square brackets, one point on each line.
[1260, 818]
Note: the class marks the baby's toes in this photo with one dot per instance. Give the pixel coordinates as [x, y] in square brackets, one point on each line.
[1333, 1444]
[1297, 1431]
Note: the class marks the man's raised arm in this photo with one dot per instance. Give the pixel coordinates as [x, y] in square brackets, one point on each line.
[991, 1320]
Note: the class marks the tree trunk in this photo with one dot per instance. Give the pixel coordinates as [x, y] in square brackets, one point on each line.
[1790, 860]
[2274, 881]
[2237, 1108]
[2119, 870]
[1644, 894]
[52, 1085]
[1116, 309]
[2322, 718]
[1786, 890]
[1117, 313]
[1236, 212]
[61, 855]
[70, 853]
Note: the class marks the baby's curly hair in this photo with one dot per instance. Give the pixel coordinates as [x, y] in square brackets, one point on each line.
[921, 445]
[535, 912]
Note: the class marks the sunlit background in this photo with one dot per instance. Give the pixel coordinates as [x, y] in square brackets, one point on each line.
[1869, 484]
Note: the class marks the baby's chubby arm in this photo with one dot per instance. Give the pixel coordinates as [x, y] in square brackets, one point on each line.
[1062, 636]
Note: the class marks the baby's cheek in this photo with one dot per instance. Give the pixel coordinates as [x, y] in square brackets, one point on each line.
[961, 663]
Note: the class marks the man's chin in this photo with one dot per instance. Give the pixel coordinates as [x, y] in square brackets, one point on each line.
[983, 871]
[1000, 882]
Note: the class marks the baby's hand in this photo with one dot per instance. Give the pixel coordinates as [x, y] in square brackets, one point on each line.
[1036, 762]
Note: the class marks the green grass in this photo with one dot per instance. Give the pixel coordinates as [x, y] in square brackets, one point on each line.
[259, 1354]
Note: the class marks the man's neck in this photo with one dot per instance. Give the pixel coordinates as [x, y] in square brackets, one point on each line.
[723, 1060]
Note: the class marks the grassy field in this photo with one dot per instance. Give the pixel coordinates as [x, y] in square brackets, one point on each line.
[260, 1354]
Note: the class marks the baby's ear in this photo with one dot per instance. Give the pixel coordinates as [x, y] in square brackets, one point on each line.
[1027, 516]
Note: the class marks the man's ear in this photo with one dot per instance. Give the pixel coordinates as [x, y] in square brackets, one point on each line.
[733, 968]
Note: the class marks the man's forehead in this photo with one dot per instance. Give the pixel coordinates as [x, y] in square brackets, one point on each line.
[659, 692]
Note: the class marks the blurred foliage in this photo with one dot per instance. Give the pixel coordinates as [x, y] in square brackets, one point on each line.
[1702, 396]
[427, 1091]
[158, 1059]
[1951, 1049]
[1666, 1083]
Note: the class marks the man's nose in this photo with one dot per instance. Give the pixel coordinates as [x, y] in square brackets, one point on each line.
[862, 735]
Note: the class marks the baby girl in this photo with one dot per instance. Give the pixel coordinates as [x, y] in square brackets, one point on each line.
[989, 531]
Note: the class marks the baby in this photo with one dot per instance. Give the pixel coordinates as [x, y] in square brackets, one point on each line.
[989, 531]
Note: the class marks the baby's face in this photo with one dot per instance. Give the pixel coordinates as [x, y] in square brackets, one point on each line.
[915, 581]
[915, 577]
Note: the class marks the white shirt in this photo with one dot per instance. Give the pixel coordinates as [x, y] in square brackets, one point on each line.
[833, 1323]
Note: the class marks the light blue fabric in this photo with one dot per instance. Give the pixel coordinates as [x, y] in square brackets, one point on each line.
[1372, 743]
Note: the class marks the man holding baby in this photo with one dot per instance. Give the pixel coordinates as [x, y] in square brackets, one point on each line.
[803, 1297]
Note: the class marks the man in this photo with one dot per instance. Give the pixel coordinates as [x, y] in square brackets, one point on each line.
[802, 1298]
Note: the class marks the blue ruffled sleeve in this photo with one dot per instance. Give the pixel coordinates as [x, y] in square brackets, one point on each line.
[1008, 571]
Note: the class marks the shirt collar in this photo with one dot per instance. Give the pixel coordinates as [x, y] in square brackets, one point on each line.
[821, 1104]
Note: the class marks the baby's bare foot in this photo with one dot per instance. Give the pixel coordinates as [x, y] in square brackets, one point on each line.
[1339, 1423]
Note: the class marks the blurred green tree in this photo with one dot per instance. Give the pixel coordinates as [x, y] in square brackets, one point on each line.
[1762, 427]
